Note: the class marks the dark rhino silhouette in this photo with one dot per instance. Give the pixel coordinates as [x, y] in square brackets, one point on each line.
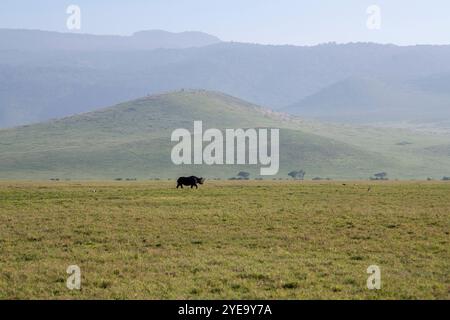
[189, 181]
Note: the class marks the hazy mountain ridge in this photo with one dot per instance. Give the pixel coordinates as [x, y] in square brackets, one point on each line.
[38, 40]
[365, 100]
[39, 85]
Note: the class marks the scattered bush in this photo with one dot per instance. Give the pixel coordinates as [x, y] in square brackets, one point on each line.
[244, 175]
[297, 175]
[403, 143]
[379, 176]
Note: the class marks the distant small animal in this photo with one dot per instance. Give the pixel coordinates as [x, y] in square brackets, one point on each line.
[189, 181]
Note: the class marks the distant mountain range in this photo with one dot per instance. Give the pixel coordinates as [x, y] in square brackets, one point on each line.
[132, 140]
[37, 40]
[45, 75]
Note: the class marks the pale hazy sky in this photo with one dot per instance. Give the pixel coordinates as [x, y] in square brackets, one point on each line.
[261, 21]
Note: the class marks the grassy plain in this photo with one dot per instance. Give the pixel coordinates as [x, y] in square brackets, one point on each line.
[250, 240]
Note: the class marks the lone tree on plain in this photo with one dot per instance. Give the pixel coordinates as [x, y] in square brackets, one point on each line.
[380, 176]
[297, 175]
[244, 175]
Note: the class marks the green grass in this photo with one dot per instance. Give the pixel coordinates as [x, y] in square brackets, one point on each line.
[251, 240]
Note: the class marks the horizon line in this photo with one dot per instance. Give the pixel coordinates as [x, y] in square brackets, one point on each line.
[331, 42]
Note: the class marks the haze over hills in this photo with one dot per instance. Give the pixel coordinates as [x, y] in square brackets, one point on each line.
[46, 75]
[38, 40]
[369, 100]
[132, 140]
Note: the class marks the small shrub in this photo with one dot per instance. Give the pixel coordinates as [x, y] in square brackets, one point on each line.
[290, 285]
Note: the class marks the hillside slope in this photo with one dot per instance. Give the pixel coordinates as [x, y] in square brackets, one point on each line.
[132, 140]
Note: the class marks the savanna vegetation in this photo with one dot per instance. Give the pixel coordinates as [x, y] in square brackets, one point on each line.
[228, 239]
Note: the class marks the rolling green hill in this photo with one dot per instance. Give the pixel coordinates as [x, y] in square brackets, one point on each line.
[132, 140]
